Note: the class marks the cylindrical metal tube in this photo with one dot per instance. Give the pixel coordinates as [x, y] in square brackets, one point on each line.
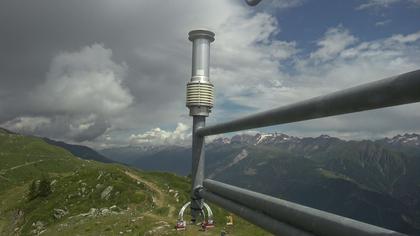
[397, 90]
[201, 40]
[197, 168]
[201, 59]
[274, 226]
[198, 152]
[302, 217]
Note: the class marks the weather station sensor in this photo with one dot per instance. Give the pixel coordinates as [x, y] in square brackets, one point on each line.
[200, 90]
[200, 100]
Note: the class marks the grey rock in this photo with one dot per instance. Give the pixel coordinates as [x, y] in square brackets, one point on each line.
[59, 213]
[105, 211]
[107, 192]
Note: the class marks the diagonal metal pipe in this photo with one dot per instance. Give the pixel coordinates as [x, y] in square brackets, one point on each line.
[301, 217]
[266, 222]
[393, 91]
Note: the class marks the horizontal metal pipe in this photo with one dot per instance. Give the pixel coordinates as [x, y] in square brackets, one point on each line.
[257, 218]
[302, 217]
[397, 90]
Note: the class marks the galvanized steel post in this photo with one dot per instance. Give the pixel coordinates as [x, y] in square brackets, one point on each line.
[200, 102]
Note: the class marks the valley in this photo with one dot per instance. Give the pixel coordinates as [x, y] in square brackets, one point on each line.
[89, 197]
[377, 182]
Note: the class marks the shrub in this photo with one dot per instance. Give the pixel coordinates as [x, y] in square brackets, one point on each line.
[44, 187]
[33, 190]
[40, 188]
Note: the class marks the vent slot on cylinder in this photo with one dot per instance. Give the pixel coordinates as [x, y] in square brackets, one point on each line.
[200, 94]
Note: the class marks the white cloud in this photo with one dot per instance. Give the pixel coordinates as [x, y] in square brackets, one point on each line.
[246, 74]
[350, 64]
[244, 50]
[246, 56]
[409, 38]
[376, 4]
[287, 3]
[85, 81]
[180, 136]
[27, 124]
[383, 23]
[334, 41]
[381, 4]
[275, 6]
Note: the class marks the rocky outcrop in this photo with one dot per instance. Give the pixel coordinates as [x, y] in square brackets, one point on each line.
[59, 213]
[106, 193]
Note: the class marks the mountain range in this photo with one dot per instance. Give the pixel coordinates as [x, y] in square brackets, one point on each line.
[377, 182]
[87, 197]
[81, 151]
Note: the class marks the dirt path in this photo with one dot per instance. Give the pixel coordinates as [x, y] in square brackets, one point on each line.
[171, 210]
[159, 194]
[160, 198]
[5, 178]
[19, 166]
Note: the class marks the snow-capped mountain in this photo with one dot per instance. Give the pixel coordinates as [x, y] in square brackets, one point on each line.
[405, 140]
[321, 172]
[257, 139]
[280, 138]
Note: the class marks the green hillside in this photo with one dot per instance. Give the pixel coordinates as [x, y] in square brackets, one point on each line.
[365, 182]
[90, 198]
[377, 182]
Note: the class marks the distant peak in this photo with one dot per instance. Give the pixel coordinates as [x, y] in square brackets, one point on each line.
[221, 141]
[259, 138]
[6, 131]
[407, 139]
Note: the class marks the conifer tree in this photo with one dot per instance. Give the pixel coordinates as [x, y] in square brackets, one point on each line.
[33, 190]
[44, 187]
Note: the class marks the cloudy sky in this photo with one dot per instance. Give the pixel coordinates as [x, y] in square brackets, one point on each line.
[108, 72]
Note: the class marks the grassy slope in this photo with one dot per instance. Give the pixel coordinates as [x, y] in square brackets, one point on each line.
[145, 202]
[313, 184]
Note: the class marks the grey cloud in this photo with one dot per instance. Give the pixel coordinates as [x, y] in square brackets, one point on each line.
[71, 127]
[139, 53]
[86, 81]
[81, 91]
[91, 131]
[149, 37]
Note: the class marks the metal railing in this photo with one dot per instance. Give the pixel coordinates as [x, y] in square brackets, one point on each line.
[278, 216]
[397, 90]
[286, 218]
